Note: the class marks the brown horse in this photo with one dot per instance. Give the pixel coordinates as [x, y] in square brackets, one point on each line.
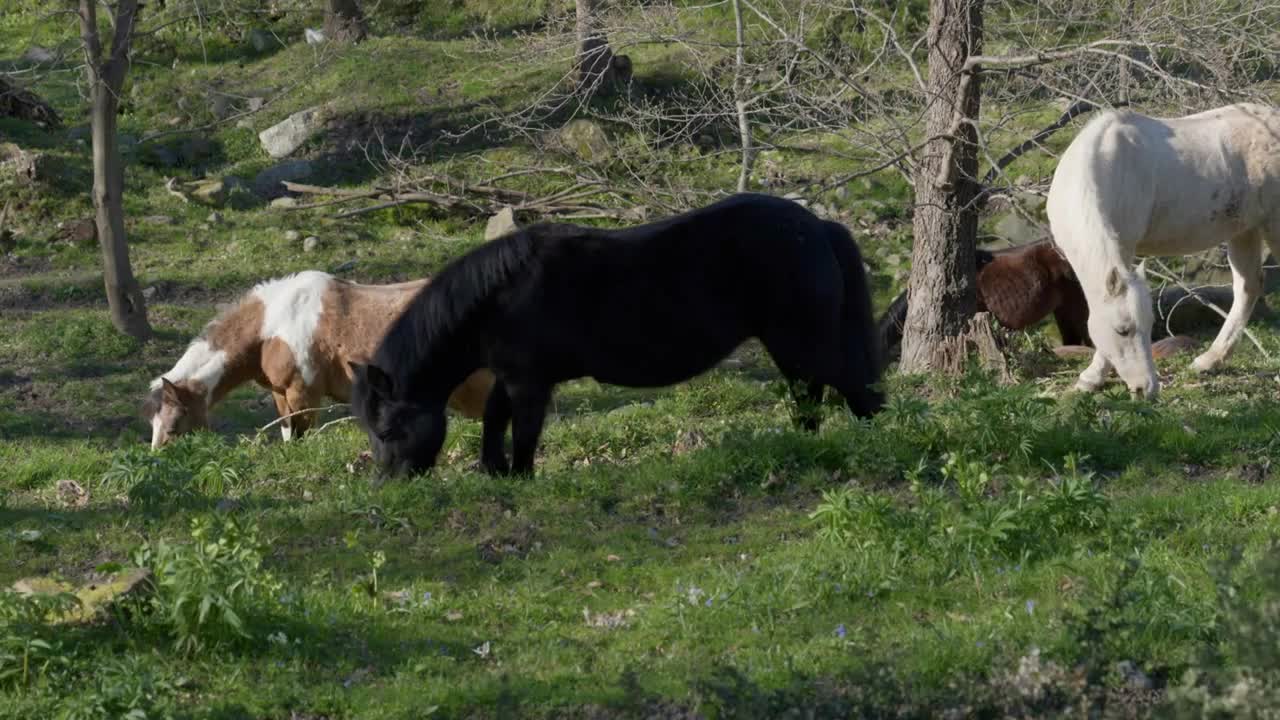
[1020, 286]
[295, 336]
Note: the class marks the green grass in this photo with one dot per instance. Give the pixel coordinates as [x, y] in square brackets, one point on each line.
[966, 525]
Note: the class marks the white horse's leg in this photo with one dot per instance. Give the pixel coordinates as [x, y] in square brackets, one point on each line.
[1095, 375]
[1245, 254]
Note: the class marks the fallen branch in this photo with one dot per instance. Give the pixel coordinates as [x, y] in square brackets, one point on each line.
[477, 200]
[282, 418]
[1168, 277]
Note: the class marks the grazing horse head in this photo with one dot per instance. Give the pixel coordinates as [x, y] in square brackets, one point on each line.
[1120, 321]
[174, 409]
[405, 434]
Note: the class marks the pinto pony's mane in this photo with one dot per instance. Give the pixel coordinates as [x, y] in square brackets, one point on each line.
[458, 292]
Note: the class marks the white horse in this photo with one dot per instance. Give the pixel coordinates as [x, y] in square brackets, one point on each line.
[1130, 184]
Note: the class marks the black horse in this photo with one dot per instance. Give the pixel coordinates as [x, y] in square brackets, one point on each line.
[646, 306]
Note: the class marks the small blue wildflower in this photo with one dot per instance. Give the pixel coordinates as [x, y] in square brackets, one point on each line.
[871, 593]
[980, 644]
[426, 598]
[1031, 607]
[840, 631]
[1000, 571]
[1017, 568]
[839, 588]
[708, 603]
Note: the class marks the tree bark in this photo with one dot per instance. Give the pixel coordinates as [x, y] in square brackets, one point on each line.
[594, 56]
[942, 287]
[106, 79]
[344, 21]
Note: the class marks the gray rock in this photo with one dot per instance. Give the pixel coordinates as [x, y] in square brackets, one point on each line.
[292, 235]
[314, 37]
[1032, 202]
[157, 219]
[263, 40]
[283, 138]
[160, 156]
[196, 150]
[149, 293]
[255, 104]
[244, 124]
[267, 183]
[214, 218]
[500, 224]
[284, 202]
[1017, 229]
[37, 54]
[221, 106]
[587, 140]
[311, 244]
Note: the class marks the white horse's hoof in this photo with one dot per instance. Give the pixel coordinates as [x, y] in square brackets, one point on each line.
[1205, 363]
[1088, 386]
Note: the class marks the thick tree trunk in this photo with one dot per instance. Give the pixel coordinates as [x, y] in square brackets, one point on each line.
[594, 55]
[106, 80]
[942, 284]
[344, 21]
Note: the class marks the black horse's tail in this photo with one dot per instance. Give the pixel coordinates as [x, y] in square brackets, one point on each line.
[895, 317]
[862, 345]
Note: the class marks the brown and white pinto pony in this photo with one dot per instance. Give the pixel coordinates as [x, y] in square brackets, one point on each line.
[1020, 286]
[295, 336]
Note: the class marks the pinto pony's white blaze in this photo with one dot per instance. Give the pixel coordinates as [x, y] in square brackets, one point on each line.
[1130, 184]
[295, 336]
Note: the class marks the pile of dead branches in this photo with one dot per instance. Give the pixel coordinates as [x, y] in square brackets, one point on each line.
[478, 199]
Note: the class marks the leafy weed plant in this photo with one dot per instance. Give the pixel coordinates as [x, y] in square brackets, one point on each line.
[208, 589]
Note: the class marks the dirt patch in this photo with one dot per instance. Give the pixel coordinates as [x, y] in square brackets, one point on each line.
[43, 413]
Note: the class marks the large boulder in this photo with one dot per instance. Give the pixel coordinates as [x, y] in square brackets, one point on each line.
[283, 138]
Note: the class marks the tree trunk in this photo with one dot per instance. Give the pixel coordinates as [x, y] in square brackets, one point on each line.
[594, 55]
[106, 80]
[942, 287]
[740, 100]
[344, 21]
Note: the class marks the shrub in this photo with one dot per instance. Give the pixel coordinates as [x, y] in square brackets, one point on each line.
[208, 588]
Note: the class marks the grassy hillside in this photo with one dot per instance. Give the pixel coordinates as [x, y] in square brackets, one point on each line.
[977, 549]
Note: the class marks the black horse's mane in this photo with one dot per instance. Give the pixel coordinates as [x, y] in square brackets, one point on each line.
[461, 289]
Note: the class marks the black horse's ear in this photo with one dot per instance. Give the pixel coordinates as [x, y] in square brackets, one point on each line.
[377, 378]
